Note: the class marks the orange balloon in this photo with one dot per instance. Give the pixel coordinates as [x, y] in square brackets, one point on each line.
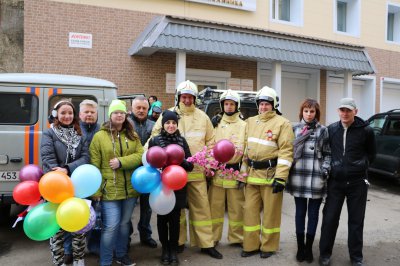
[56, 187]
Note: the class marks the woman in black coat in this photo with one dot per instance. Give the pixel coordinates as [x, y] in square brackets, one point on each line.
[168, 225]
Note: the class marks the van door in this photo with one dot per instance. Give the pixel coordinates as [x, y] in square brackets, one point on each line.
[20, 127]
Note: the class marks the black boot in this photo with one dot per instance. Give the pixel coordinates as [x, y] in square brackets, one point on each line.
[165, 255]
[300, 247]
[173, 259]
[308, 255]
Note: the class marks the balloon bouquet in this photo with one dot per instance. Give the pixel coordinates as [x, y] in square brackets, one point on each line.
[65, 206]
[148, 179]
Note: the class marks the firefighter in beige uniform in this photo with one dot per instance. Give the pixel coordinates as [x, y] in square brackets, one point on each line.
[226, 188]
[267, 161]
[198, 131]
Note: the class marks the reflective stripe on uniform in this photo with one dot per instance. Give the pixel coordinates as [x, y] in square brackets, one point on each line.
[271, 230]
[235, 223]
[195, 176]
[251, 228]
[217, 221]
[260, 181]
[194, 134]
[262, 142]
[200, 223]
[284, 162]
[224, 182]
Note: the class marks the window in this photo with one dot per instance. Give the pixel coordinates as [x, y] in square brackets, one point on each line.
[377, 124]
[347, 17]
[287, 11]
[18, 108]
[393, 24]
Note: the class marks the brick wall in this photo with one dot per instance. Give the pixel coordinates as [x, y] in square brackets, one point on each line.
[47, 26]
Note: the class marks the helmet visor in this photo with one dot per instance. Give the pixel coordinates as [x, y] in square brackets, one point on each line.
[265, 98]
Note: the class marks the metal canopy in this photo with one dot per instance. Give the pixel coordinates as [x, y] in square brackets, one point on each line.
[172, 34]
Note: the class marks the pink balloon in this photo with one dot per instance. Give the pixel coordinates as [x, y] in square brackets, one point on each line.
[223, 150]
[156, 157]
[175, 154]
[174, 177]
[30, 172]
[27, 192]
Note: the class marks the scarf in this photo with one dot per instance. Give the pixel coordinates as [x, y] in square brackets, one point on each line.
[69, 137]
[298, 143]
[166, 138]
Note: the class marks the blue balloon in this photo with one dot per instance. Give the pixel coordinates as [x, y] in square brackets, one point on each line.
[86, 179]
[145, 179]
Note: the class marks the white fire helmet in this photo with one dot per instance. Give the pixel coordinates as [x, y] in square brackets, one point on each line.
[267, 94]
[186, 87]
[229, 95]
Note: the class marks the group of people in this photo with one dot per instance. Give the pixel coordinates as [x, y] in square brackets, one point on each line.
[309, 160]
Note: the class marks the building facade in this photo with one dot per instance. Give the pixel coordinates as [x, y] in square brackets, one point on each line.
[320, 49]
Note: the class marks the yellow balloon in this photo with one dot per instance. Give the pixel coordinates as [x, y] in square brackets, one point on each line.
[73, 214]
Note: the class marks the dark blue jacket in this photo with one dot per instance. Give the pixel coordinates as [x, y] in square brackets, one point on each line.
[142, 128]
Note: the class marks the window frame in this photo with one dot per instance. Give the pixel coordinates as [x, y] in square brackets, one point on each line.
[296, 13]
[396, 23]
[353, 18]
[36, 115]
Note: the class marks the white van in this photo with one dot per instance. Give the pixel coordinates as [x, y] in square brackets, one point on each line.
[26, 101]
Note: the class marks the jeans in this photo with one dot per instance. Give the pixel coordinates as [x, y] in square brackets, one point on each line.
[67, 243]
[116, 216]
[144, 227]
[313, 213]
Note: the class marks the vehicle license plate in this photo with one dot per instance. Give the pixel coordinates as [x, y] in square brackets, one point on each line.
[9, 176]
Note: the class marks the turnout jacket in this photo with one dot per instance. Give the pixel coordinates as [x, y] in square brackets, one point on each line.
[233, 129]
[350, 163]
[269, 136]
[195, 126]
[128, 152]
[306, 179]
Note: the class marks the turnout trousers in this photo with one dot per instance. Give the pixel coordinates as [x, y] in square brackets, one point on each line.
[356, 198]
[261, 235]
[200, 224]
[234, 199]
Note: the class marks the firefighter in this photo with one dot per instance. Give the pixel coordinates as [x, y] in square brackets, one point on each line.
[198, 131]
[267, 160]
[226, 188]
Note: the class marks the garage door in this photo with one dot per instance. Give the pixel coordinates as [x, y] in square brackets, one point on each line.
[390, 96]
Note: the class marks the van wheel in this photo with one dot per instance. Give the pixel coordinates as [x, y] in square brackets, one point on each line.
[5, 213]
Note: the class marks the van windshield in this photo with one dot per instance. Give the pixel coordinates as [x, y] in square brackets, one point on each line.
[18, 108]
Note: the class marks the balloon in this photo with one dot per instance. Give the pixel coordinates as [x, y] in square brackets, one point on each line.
[30, 172]
[156, 157]
[86, 179]
[56, 187]
[162, 200]
[73, 214]
[175, 154]
[27, 192]
[145, 179]
[223, 150]
[174, 177]
[40, 223]
[90, 224]
[144, 161]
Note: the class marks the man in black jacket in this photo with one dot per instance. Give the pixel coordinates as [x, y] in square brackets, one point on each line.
[353, 148]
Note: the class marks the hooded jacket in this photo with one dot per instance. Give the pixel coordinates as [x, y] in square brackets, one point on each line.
[128, 152]
[350, 163]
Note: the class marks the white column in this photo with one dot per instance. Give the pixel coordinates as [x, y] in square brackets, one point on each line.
[277, 80]
[348, 84]
[180, 68]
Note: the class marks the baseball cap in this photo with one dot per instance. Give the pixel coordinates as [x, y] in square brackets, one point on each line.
[348, 103]
[157, 109]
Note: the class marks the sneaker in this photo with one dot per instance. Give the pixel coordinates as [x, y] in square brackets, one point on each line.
[79, 262]
[125, 261]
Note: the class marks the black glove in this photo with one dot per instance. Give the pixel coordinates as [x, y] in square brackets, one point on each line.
[278, 185]
[241, 185]
[216, 119]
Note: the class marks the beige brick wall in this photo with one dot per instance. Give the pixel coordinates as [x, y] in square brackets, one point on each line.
[47, 25]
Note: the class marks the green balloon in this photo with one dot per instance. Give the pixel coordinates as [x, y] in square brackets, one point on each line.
[41, 223]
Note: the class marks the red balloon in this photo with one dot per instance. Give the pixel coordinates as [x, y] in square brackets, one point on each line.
[156, 157]
[223, 150]
[174, 177]
[27, 192]
[175, 154]
[30, 172]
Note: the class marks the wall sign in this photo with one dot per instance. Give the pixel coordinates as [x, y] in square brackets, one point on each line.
[248, 5]
[80, 40]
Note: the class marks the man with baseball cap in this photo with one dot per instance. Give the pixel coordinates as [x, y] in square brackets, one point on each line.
[353, 148]
[155, 114]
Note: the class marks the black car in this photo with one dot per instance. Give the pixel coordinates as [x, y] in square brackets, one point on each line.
[208, 101]
[387, 133]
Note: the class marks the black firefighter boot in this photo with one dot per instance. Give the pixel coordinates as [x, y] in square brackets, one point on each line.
[165, 255]
[173, 259]
[300, 256]
[308, 255]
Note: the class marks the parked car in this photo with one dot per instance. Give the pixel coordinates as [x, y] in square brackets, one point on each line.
[208, 101]
[387, 133]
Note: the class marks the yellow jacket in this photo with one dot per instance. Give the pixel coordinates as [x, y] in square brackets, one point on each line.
[234, 129]
[269, 136]
[195, 126]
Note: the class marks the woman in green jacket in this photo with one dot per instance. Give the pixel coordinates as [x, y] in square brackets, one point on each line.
[117, 152]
